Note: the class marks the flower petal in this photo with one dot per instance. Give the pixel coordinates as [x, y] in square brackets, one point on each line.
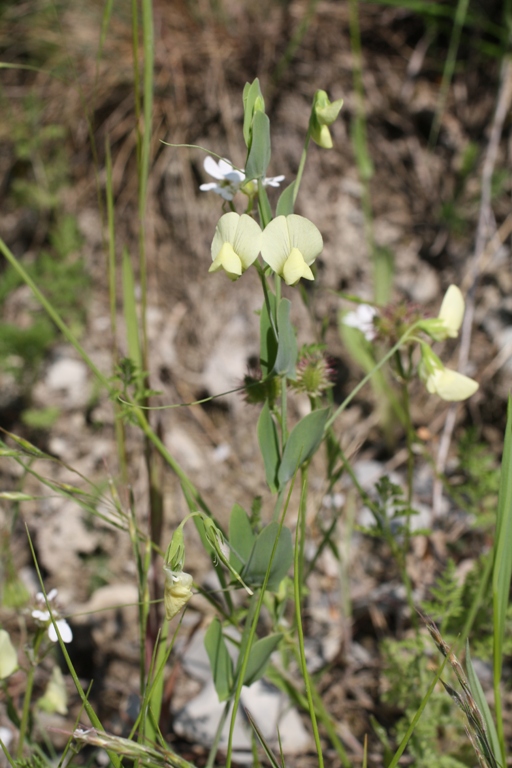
[64, 629]
[229, 172]
[304, 236]
[177, 591]
[451, 385]
[8, 655]
[212, 167]
[210, 186]
[225, 232]
[452, 311]
[273, 181]
[275, 244]
[229, 261]
[247, 240]
[295, 267]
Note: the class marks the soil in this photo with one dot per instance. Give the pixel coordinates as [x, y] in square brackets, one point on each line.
[203, 330]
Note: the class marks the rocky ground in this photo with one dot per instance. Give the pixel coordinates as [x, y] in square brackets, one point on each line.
[203, 330]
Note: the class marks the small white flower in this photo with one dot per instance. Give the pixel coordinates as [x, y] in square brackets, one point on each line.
[228, 178]
[362, 319]
[43, 618]
[273, 181]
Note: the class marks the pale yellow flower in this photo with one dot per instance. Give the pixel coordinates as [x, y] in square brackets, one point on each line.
[235, 245]
[452, 311]
[289, 245]
[177, 591]
[8, 656]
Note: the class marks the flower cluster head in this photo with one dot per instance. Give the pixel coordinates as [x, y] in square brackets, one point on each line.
[230, 179]
[257, 390]
[42, 616]
[315, 372]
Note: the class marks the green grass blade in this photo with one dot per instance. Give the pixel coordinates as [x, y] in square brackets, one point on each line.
[502, 569]
[479, 696]
[449, 67]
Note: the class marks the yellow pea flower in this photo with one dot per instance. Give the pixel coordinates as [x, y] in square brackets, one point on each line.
[235, 245]
[452, 311]
[8, 656]
[289, 245]
[447, 384]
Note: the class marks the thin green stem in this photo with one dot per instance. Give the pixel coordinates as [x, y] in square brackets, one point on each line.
[27, 697]
[218, 733]
[406, 337]
[302, 165]
[297, 592]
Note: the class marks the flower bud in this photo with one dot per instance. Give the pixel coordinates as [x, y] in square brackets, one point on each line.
[177, 591]
[323, 114]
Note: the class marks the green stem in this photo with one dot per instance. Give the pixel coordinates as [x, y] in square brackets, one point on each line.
[252, 621]
[218, 733]
[297, 591]
[27, 698]
[366, 379]
[302, 165]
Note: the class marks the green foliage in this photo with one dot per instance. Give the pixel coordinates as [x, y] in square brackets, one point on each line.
[391, 512]
[438, 738]
[445, 605]
[40, 418]
[61, 276]
[302, 443]
[475, 486]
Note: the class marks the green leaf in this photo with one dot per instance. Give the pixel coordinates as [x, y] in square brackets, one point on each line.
[220, 660]
[285, 202]
[274, 763]
[259, 152]
[259, 656]
[303, 441]
[251, 95]
[286, 359]
[259, 560]
[269, 446]
[241, 537]
[384, 272]
[268, 340]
